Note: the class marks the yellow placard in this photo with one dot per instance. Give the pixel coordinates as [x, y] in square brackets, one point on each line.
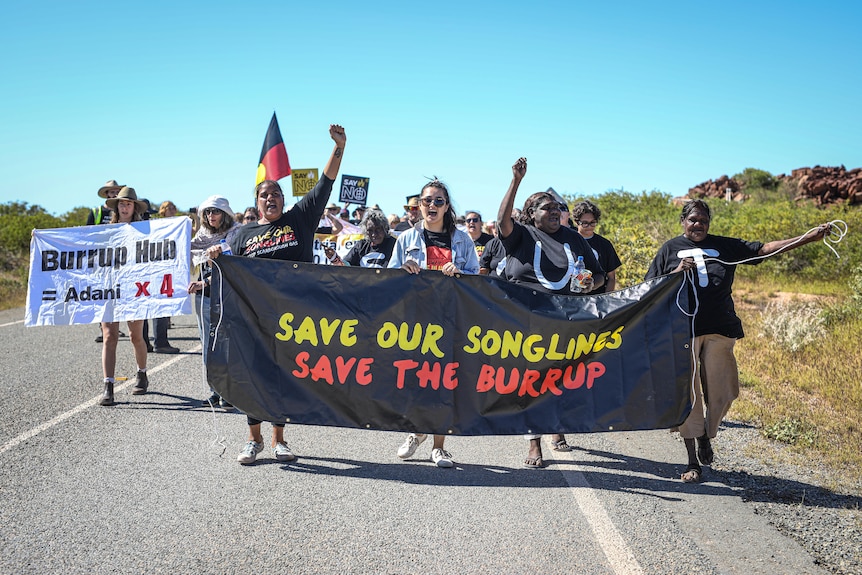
[303, 180]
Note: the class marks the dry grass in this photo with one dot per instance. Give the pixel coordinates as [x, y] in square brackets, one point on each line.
[806, 395]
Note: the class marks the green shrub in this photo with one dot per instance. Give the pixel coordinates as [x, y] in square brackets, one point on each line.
[793, 325]
[752, 178]
[792, 432]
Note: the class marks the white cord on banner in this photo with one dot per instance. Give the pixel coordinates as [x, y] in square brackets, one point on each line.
[837, 231]
[219, 439]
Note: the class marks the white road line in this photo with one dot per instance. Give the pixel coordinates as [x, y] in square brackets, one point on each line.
[11, 323]
[618, 553]
[12, 443]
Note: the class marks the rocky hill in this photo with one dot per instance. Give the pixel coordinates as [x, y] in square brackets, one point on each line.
[822, 184]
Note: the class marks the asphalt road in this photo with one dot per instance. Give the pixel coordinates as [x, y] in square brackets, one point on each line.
[152, 485]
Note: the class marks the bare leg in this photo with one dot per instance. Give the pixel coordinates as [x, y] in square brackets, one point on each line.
[110, 336]
[693, 472]
[136, 334]
[535, 452]
[277, 434]
[438, 441]
[254, 433]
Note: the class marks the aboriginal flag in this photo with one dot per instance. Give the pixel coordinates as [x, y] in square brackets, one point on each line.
[274, 164]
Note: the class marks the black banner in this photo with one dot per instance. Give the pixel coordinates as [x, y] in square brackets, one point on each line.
[469, 355]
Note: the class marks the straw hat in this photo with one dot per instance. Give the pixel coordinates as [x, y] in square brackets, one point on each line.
[109, 185]
[412, 202]
[127, 193]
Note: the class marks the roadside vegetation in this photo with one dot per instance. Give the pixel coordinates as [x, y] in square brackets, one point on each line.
[800, 362]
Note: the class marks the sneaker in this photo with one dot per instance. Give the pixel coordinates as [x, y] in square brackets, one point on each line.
[141, 383]
[249, 452]
[282, 452]
[408, 448]
[100, 338]
[224, 404]
[442, 458]
[166, 349]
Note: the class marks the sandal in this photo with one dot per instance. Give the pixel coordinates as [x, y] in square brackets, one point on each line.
[534, 462]
[692, 474]
[561, 445]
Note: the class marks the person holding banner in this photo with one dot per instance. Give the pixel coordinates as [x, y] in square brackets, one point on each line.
[713, 261]
[435, 244]
[375, 249]
[126, 208]
[283, 235]
[217, 224]
[541, 253]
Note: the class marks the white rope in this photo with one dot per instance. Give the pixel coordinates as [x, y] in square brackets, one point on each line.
[835, 235]
[219, 439]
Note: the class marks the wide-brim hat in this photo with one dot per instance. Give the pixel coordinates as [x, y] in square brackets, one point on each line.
[412, 202]
[127, 193]
[218, 202]
[332, 206]
[109, 185]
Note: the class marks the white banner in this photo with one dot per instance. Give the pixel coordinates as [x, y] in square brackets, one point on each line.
[107, 273]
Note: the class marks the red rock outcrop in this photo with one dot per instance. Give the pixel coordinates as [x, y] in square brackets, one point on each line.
[827, 185]
[718, 189]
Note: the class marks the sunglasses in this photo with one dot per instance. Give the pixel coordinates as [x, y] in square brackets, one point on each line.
[555, 206]
[472, 220]
[588, 224]
[438, 201]
[211, 211]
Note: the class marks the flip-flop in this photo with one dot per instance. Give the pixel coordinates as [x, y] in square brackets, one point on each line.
[534, 462]
[561, 445]
[691, 475]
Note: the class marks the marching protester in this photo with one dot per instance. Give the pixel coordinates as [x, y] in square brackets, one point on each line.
[217, 224]
[493, 259]
[539, 236]
[434, 243]
[126, 208]
[289, 236]
[375, 249]
[102, 215]
[411, 209]
[587, 215]
[716, 325]
[250, 216]
[473, 224]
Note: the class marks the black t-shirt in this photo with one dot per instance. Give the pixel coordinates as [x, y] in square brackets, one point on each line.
[438, 249]
[365, 255]
[716, 312]
[403, 226]
[492, 255]
[606, 254]
[480, 244]
[290, 237]
[555, 254]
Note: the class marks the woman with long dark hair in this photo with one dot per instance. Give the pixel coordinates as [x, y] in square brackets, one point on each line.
[434, 243]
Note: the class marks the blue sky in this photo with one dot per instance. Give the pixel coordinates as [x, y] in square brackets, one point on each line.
[174, 98]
